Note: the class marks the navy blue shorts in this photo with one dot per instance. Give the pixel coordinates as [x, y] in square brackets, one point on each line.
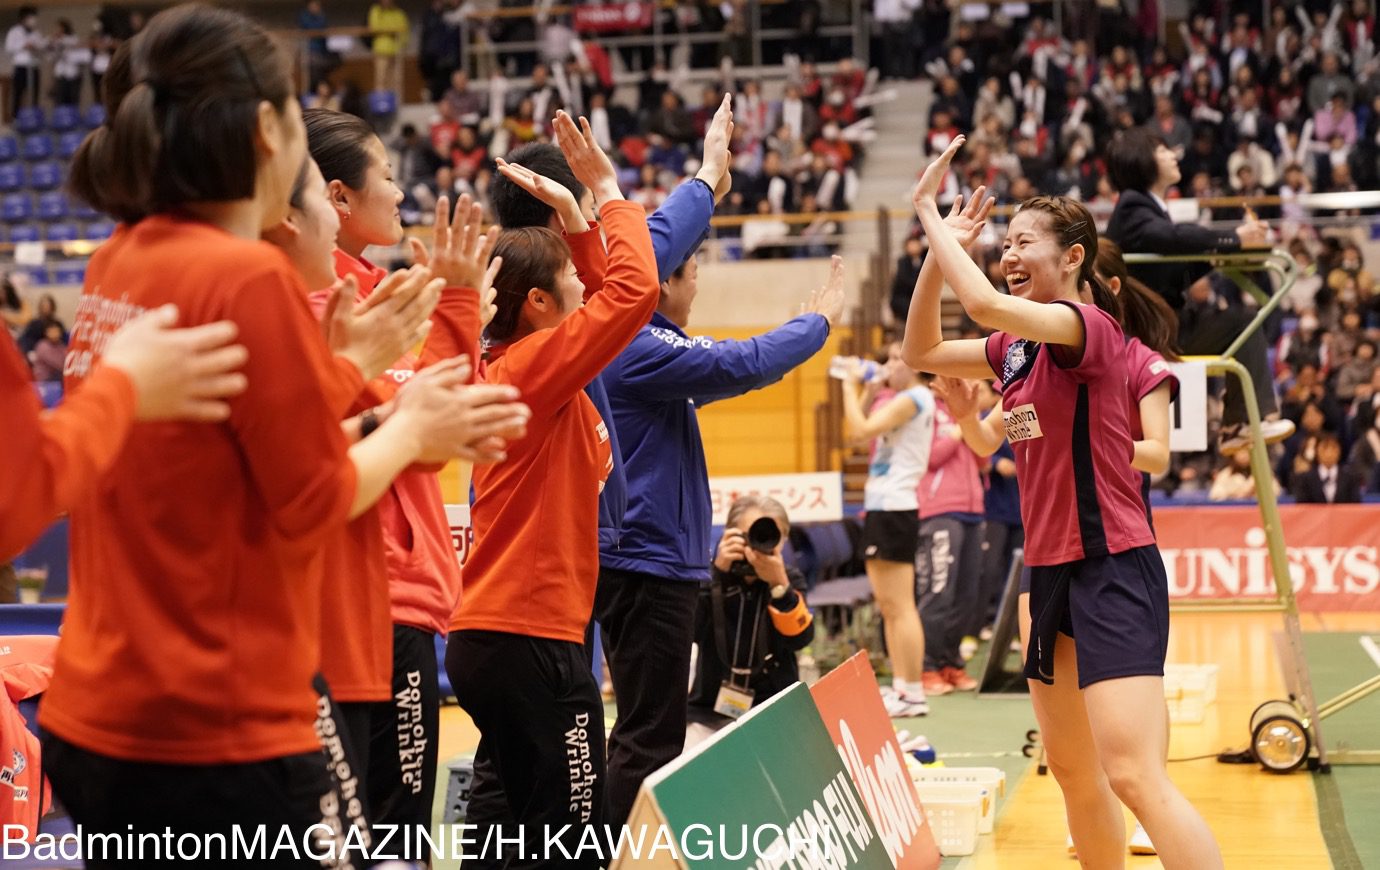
[1116, 607]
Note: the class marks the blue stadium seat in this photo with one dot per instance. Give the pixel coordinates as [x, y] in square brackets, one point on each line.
[31, 618]
[29, 120]
[11, 178]
[52, 206]
[69, 272]
[95, 116]
[24, 233]
[9, 149]
[37, 147]
[63, 232]
[100, 230]
[383, 103]
[45, 176]
[65, 118]
[69, 142]
[38, 276]
[15, 207]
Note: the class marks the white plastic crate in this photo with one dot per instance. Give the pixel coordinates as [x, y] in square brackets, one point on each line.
[991, 778]
[988, 816]
[1188, 690]
[954, 810]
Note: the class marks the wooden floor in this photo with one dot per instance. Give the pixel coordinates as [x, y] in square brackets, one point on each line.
[1261, 820]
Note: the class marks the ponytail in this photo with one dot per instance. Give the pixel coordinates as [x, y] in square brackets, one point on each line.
[1103, 297]
[115, 166]
[1143, 314]
[182, 101]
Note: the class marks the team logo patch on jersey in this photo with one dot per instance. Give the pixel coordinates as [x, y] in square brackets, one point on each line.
[1158, 367]
[603, 432]
[1022, 423]
[1019, 354]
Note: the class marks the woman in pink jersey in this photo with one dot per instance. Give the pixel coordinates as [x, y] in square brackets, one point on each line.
[1096, 574]
[1150, 326]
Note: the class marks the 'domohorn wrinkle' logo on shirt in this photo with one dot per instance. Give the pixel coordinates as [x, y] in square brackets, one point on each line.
[1022, 423]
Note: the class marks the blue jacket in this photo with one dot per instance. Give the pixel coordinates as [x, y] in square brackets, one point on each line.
[655, 385]
[677, 229]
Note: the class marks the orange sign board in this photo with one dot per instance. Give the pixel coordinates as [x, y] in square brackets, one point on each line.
[852, 710]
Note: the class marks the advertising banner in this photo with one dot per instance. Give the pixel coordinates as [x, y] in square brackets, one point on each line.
[767, 791]
[812, 497]
[1220, 552]
[852, 710]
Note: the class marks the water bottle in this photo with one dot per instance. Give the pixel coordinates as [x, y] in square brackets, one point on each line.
[841, 367]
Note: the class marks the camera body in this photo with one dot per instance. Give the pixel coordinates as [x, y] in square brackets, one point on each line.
[763, 536]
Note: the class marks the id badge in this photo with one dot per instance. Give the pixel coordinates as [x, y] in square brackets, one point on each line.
[732, 701]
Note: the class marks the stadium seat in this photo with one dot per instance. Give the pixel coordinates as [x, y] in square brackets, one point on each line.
[81, 210]
[17, 207]
[29, 120]
[69, 142]
[383, 103]
[100, 230]
[38, 276]
[11, 178]
[38, 147]
[24, 233]
[95, 116]
[63, 232]
[9, 149]
[45, 176]
[65, 118]
[52, 206]
[69, 272]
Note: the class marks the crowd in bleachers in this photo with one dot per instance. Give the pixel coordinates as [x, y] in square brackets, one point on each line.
[1285, 106]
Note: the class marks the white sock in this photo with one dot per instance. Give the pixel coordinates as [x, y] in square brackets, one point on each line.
[914, 691]
[898, 684]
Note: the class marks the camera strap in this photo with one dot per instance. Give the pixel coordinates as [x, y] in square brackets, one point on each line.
[740, 671]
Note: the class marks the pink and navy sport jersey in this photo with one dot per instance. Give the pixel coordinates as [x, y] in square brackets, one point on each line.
[1067, 423]
[1146, 370]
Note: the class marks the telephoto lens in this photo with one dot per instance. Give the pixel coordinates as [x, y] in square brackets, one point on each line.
[764, 535]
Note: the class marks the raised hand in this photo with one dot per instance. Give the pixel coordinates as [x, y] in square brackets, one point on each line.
[178, 374]
[587, 160]
[714, 169]
[959, 394]
[396, 317]
[552, 193]
[488, 293]
[460, 251]
[966, 222]
[932, 180]
[828, 300]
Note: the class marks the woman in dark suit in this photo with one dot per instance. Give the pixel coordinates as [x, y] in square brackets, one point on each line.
[1143, 168]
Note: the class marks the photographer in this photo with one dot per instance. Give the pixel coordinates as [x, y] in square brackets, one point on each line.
[751, 617]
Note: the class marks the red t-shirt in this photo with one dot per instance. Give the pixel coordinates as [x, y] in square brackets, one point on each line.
[192, 632]
[1067, 423]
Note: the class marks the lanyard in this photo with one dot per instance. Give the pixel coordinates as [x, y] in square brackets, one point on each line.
[755, 656]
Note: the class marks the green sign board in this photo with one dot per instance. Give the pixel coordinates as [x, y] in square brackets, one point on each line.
[770, 791]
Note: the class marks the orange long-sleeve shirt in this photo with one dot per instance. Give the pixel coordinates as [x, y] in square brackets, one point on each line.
[423, 572]
[193, 629]
[536, 558]
[52, 460]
